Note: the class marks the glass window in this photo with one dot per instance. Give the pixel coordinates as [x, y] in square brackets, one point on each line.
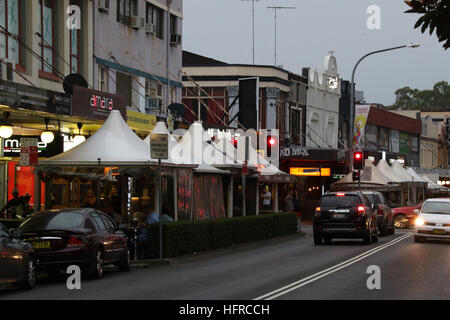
[102, 78]
[53, 220]
[4, 232]
[46, 18]
[436, 207]
[75, 37]
[9, 31]
[98, 221]
[108, 222]
[339, 201]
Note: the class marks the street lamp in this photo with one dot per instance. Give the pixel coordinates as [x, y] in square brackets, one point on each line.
[352, 95]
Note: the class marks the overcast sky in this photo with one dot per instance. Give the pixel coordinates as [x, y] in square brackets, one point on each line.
[222, 29]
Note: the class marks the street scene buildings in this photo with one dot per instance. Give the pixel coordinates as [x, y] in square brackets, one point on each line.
[102, 108]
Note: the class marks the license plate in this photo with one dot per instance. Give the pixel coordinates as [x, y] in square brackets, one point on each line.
[438, 231]
[41, 245]
[339, 216]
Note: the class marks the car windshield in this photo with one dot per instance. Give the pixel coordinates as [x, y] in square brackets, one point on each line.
[371, 197]
[339, 201]
[436, 207]
[52, 221]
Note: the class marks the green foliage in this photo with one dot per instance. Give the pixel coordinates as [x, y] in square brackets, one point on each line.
[188, 237]
[426, 100]
[435, 16]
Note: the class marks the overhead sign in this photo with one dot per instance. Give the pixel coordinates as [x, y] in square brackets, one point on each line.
[21, 96]
[312, 172]
[140, 121]
[11, 146]
[94, 104]
[361, 115]
[159, 146]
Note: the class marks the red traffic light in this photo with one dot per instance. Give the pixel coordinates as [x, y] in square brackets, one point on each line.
[358, 158]
[272, 141]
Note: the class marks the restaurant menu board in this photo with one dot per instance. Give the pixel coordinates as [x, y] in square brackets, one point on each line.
[394, 138]
[405, 143]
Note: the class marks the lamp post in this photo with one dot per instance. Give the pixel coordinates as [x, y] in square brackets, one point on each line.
[352, 97]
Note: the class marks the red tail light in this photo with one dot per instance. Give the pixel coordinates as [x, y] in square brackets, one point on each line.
[361, 210]
[380, 212]
[317, 212]
[340, 194]
[74, 242]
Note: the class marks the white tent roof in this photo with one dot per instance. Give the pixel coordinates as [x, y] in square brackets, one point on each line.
[397, 167]
[388, 171]
[161, 128]
[416, 177]
[433, 185]
[114, 143]
[378, 178]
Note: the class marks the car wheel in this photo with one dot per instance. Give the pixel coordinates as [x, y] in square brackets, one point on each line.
[95, 270]
[30, 275]
[400, 221]
[327, 240]
[368, 236]
[418, 239]
[375, 235]
[317, 240]
[383, 230]
[392, 229]
[124, 263]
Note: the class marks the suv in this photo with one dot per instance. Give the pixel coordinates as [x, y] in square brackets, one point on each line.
[345, 215]
[384, 213]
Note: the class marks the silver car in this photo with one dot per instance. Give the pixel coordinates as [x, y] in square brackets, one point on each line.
[433, 221]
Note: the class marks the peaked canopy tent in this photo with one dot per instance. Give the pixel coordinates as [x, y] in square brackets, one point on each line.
[121, 161]
[416, 185]
[387, 170]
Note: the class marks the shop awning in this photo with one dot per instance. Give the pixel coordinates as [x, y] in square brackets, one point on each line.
[113, 144]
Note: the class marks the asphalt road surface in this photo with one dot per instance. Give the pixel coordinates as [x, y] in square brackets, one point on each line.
[290, 267]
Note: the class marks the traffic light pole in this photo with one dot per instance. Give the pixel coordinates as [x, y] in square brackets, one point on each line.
[359, 180]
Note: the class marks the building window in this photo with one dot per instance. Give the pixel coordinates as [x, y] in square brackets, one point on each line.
[159, 23]
[173, 24]
[75, 38]
[126, 9]
[46, 27]
[102, 78]
[296, 125]
[10, 30]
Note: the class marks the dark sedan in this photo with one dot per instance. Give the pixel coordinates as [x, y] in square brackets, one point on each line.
[83, 236]
[17, 264]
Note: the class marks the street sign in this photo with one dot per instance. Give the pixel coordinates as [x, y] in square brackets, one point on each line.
[159, 146]
[28, 152]
[366, 175]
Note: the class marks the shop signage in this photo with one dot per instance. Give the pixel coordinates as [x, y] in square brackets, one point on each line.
[404, 143]
[159, 146]
[294, 151]
[366, 174]
[383, 139]
[312, 172]
[361, 115]
[94, 104]
[21, 96]
[12, 146]
[140, 121]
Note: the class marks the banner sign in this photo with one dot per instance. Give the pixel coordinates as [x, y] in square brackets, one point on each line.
[94, 104]
[361, 114]
[17, 95]
[12, 146]
[159, 146]
[140, 121]
[405, 143]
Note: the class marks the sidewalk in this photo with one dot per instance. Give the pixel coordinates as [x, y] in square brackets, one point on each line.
[146, 263]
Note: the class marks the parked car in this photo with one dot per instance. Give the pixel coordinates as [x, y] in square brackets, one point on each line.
[405, 216]
[17, 263]
[344, 215]
[385, 218]
[433, 221]
[85, 237]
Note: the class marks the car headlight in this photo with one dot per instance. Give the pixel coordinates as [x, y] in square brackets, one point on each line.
[419, 222]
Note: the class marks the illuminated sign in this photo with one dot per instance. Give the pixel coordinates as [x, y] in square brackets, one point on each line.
[312, 172]
[12, 146]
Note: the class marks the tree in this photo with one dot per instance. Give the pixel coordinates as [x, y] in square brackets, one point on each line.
[426, 100]
[435, 16]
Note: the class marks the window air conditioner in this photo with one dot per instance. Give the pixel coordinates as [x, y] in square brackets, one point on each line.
[103, 6]
[150, 28]
[7, 68]
[175, 39]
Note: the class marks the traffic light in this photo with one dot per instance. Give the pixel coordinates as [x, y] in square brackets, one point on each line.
[358, 160]
[356, 176]
[272, 142]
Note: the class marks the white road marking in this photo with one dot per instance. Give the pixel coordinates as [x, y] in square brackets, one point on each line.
[303, 282]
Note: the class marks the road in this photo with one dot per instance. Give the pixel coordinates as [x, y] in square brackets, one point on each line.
[289, 268]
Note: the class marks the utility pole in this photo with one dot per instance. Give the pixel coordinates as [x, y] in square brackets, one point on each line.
[253, 27]
[168, 36]
[275, 11]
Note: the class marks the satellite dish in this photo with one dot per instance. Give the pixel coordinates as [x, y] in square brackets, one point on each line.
[177, 109]
[74, 79]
